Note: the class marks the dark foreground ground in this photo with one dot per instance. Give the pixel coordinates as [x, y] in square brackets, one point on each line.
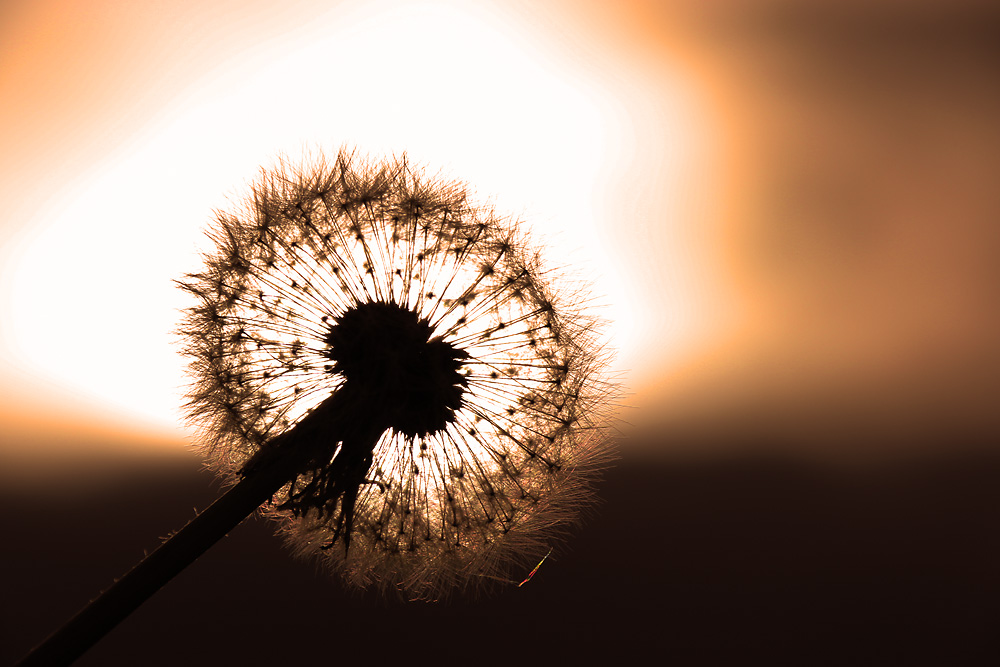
[732, 561]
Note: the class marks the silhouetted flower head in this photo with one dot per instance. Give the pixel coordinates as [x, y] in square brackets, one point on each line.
[458, 387]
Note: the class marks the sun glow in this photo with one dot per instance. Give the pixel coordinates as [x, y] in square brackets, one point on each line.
[571, 141]
[91, 287]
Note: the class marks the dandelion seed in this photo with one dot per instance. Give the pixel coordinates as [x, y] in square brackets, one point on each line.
[534, 571]
[411, 335]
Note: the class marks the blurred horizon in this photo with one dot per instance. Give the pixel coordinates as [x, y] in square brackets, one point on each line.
[739, 559]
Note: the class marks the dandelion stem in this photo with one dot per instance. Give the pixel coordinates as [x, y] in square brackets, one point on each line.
[290, 453]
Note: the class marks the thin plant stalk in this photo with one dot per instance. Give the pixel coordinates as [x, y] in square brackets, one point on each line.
[275, 466]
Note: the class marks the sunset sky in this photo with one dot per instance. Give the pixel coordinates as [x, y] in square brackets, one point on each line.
[788, 211]
[789, 214]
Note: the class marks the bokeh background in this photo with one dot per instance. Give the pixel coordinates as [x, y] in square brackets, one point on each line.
[790, 211]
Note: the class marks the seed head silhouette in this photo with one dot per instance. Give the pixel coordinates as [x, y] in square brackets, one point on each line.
[391, 372]
[442, 397]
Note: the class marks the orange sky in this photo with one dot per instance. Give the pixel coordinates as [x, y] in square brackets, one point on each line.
[787, 211]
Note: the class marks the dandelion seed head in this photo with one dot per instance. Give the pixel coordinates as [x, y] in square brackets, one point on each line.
[477, 377]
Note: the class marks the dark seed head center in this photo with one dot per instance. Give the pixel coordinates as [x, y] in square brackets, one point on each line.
[403, 378]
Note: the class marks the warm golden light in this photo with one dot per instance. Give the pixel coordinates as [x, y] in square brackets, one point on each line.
[774, 206]
[471, 88]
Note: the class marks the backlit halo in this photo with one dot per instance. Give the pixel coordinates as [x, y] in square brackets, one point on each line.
[481, 374]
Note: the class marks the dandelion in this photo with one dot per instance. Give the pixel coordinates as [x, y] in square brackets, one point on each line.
[442, 396]
[392, 373]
